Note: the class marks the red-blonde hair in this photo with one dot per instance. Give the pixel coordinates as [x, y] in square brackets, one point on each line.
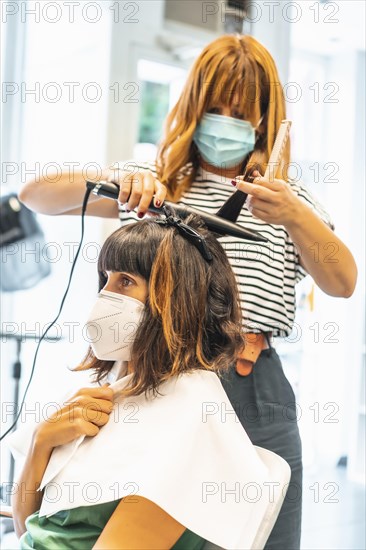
[230, 66]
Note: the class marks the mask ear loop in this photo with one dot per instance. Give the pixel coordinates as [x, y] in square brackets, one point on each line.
[255, 166]
[85, 202]
[259, 135]
[259, 123]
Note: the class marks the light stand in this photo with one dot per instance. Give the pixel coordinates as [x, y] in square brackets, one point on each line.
[16, 374]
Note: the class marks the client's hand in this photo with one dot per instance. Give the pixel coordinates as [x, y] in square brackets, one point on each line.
[83, 414]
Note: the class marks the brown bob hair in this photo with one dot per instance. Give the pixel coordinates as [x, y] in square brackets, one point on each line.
[232, 66]
[192, 316]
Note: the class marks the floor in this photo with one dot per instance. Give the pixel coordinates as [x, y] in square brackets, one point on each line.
[333, 513]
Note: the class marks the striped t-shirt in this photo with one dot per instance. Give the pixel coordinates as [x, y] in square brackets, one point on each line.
[266, 272]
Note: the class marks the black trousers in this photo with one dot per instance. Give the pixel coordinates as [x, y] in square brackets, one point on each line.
[265, 404]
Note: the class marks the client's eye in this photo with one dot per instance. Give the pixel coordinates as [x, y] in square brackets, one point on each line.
[126, 281]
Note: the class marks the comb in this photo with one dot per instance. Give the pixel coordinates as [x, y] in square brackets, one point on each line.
[277, 151]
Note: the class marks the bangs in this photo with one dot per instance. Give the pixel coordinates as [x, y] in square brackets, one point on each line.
[232, 71]
[237, 79]
[131, 249]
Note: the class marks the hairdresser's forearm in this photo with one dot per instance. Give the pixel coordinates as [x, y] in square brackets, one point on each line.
[65, 196]
[26, 499]
[324, 256]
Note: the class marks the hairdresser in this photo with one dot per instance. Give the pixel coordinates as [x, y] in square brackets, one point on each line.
[224, 126]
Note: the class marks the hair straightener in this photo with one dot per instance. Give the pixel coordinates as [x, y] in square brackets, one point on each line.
[214, 223]
[223, 222]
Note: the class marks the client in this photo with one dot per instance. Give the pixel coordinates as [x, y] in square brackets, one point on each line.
[151, 455]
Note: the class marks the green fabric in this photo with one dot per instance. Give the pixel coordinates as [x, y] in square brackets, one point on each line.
[189, 541]
[79, 529]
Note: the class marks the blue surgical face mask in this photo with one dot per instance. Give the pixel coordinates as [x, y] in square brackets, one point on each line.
[223, 140]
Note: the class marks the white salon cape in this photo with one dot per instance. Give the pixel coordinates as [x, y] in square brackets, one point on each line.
[185, 450]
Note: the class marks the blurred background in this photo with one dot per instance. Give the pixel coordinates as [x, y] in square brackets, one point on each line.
[85, 84]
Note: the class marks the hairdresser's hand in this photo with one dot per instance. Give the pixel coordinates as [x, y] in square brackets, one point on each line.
[84, 414]
[271, 201]
[137, 188]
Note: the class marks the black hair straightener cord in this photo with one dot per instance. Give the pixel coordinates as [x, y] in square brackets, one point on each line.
[83, 209]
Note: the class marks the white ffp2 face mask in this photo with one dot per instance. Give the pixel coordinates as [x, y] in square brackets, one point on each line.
[112, 325]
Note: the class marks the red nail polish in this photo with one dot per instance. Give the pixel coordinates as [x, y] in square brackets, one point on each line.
[157, 204]
[140, 214]
[233, 182]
